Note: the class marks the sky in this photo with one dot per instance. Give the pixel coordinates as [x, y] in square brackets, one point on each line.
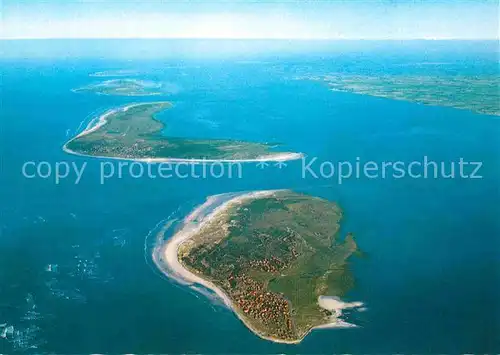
[267, 19]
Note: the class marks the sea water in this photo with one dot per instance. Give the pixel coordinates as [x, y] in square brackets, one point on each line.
[76, 273]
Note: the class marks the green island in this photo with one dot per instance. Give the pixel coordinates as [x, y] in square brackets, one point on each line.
[123, 87]
[133, 132]
[480, 94]
[275, 256]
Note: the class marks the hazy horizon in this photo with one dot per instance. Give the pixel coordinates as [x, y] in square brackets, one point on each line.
[250, 49]
[248, 19]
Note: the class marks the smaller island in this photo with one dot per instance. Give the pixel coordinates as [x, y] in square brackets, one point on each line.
[274, 257]
[115, 73]
[132, 132]
[123, 87]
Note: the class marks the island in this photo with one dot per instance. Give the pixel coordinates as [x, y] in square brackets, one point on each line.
[132, 132]
[116, 73]
[479, 94]
[123, 87]
[274, 257]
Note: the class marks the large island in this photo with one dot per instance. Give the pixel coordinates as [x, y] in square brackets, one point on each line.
[132, 132]
[478, 93]
[274, 257]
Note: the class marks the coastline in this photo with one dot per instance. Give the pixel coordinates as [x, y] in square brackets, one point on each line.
[165, 256]
[102, 120]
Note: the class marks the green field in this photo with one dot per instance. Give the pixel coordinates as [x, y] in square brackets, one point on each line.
[274, 257]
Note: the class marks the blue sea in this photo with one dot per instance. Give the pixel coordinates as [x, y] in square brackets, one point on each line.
[76, 274]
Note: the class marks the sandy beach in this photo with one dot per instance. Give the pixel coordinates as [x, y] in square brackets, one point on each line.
[91, 127]
[165, 257]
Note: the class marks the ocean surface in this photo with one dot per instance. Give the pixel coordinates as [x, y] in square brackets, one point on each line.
[76, 274]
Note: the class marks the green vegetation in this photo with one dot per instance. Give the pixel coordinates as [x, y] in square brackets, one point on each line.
[123, 87]
[134, 133]
[274, 256]
[480, 94]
